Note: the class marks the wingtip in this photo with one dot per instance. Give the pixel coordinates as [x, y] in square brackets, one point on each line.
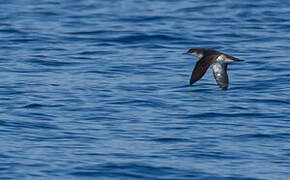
[224, 88]
[191, 82]
[236, 59]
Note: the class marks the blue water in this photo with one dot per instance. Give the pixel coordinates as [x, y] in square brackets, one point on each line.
[99, 90]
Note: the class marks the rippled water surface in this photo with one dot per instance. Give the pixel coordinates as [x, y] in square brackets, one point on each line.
[99, 90]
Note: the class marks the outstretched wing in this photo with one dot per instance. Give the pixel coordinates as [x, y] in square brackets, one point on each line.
[200, 68]
[220, 74]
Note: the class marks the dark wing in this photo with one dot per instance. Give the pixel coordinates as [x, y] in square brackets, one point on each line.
[220, 74]
[200, 68]
[231, 58]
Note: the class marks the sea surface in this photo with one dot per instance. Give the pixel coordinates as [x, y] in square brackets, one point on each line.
[100, 90]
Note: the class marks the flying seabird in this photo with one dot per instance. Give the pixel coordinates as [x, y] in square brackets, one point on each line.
[219, 62]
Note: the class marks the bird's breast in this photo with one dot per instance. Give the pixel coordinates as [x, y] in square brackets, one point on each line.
[217, 68]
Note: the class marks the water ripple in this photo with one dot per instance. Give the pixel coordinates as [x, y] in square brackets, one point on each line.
[100, 89]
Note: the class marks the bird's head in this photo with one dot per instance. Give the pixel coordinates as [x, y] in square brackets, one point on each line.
[195, 51]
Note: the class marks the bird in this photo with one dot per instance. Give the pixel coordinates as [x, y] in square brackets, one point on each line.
[217, 60]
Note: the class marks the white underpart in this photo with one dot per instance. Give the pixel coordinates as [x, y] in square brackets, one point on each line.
[227, 60]
[223, 59]
[218, 65]
[217, 68]
[198, 55]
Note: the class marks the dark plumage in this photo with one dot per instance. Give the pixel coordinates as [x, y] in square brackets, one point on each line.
[219, 62]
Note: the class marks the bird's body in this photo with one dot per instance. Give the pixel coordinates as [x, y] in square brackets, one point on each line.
[219, 62]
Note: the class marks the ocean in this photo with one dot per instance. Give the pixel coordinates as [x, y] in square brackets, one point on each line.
[100, 90]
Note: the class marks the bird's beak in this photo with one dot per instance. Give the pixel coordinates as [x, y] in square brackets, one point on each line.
[185, 53]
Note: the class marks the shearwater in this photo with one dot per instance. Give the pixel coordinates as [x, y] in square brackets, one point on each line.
[219, 62]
